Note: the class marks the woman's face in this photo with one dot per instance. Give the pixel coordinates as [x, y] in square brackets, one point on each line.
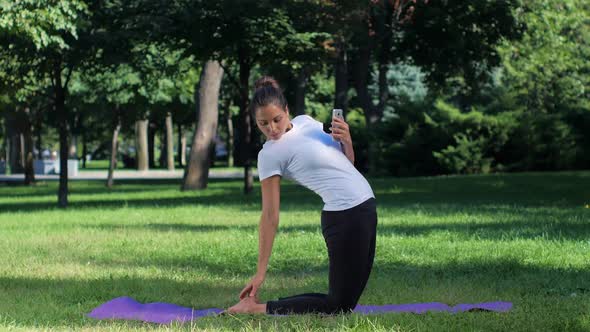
[272, 121]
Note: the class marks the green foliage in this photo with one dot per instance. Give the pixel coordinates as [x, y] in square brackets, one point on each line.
[435, 138]
[405, 143]
[544, 78]
[547, 71]
[361, 138]
[467, 156]
[319, 98]
[477, 137]
[541, 142]
[447, 38]
[46, 23]
[405, 83]
[530, 115]
[457, 101]
[166, 74]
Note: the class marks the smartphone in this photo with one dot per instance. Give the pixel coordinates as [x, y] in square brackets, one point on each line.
[337, 113]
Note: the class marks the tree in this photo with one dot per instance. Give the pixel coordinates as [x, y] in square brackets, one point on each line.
[548, 68]
[196, 172]
[262, 34]
[244, 34]
[546, 77]
[444, 38]
[111, 93]
[47, 39]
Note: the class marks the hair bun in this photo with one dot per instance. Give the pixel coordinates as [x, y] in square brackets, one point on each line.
[265, 81]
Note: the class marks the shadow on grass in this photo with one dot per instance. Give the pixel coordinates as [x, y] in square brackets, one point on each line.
[118, 202]
[537, 189]
[523, 189]
[519, 229]
[223, 192]
[509, 224]
[51, 302]
[296, 200]
[93, 187]
[304, 202]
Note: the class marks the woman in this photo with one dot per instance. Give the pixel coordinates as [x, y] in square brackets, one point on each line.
[300, 150]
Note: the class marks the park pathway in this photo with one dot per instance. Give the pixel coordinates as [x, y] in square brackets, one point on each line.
[128, 175]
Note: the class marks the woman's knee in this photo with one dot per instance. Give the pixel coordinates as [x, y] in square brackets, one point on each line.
[337, 305]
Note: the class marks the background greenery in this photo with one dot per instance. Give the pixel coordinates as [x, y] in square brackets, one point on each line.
[431, 88]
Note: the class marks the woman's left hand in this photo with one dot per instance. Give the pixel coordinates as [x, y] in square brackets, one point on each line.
[341, 131]
[252, 287]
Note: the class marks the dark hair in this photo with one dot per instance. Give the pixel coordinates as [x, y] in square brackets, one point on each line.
[267, 91]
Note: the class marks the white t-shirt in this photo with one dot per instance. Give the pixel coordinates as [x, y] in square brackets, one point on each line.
[310, 157]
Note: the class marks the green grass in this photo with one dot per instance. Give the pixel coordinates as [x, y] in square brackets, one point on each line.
[97, 165]
[523, 238]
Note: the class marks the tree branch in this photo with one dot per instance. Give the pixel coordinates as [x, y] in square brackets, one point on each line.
[37, 92]
[53, 79]
[231, 77]
[71, 70]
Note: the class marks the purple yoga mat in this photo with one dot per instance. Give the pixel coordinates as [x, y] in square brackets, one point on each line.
[158, 312]
[165, 313]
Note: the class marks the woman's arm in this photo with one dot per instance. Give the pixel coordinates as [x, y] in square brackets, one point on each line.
[348, 151]
[341, 131]
[269, 222]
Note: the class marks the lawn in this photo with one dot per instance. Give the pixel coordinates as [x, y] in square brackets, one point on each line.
[523, 238]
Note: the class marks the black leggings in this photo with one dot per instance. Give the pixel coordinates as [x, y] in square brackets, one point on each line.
[350, 238]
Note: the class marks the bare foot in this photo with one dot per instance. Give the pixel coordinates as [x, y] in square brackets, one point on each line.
[249, 305]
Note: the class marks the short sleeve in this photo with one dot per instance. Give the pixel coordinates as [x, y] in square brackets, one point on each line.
[268, 165]
[316, 124]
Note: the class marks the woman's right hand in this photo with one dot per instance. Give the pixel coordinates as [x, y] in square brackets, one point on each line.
[252, 287]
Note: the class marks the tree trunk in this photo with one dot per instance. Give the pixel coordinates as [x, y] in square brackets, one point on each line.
[169, 142]
[141, 147]
[73, 150]
[4, 148]
[74, 134]
[22, 155]
[181, 148]
[60, 110]
[383, 88]
[230, 134]
[84, 149]
[341, 78]
[163, 152]
[197, 171]
[373, 117]
[113, 162]
[39, 132]
[151, 145]
[245, 120]
[361, 74]
[28, 148]
[385, 52]
[372, 113]
[15, 154]
[8, 145]
[302, 78]
[30, 166]
[63, 166]
[15, 159]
